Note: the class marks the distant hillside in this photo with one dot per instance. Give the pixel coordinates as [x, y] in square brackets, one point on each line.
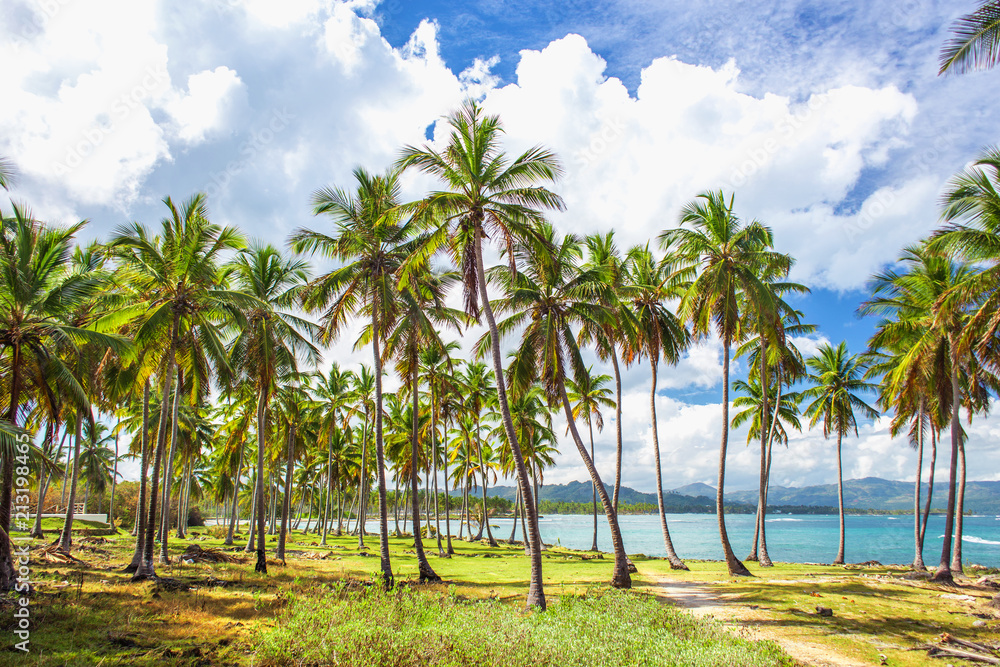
[879, 494]
[871, 493]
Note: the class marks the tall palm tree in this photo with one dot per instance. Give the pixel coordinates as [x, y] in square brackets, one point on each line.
[37, 292]
[728, 264]
[655, 332]
[331, 391]
[975, 41]
[488, 196]
[588, 397]
[547, 297]
[838, 379]
[436, 364]
[373, 239]
[179, 287]
[269, 340]
[480, 392]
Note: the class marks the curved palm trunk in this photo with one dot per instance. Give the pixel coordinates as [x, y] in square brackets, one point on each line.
[930, 488]
[918, 557]
[252, 525]
[287, 500]
[66, 537]
[8, 575]
[383, 504]
[675, 562]
[434, 459]
[484, 474]
[52, 430]
[590, 428]
[447, 499]
[261, 565]
[618, 428]
[114, 482]
[956, 556]
[517, 508]
[168, 475]
[141, 509]
[424, 568]
[943, 573]
[621, 577]
[840, 501]
[733, 563]
[536, 592]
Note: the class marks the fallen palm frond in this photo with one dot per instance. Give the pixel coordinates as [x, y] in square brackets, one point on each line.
[953, 647]
[53, 553]
[196, 554]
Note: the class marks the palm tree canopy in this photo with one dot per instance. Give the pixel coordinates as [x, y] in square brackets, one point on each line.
[838, 378]
[975, 41]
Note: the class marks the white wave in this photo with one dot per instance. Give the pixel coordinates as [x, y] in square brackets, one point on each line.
[893, 518]
[977, 540]
[776, 520]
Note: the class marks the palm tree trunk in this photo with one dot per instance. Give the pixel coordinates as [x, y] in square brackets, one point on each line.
[328, 503]
[140, 511]
[590, 428]
[287, 500]
[840, 500]
[434, 466]
[8, 574]
[675, 562]
[383, 506]
[621, 577]
[234, 515]
[261, 565]
[735, 566]
[114, 482]
[66, 539]
[182, 498]
[52, 431]
[762, 556]
[536, 593]
[461, 514]
[484, 473]
[943, 573]
[362, 484]
[447, 499]
[956, 554]
[252, 526]
[424, 568]
[930, 488]
[918, 557]
[168, 473]
[517, 505]
[618, 427]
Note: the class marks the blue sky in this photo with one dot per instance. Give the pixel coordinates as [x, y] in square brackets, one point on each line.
[827, 120]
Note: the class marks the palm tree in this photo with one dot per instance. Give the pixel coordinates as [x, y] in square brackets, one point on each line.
[487, 195]
[269, 339]
[436, 364]
[373, 238]
[654, 332]
[547, 298]
[975, 41]
[6, 173]
[588, 397]
[38, 292]
[729, 264]
[331, 392]
[839, 379]
[178, 285]
[423, 315]
[480, 393]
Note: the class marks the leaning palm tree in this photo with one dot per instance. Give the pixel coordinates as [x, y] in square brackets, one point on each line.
[838, 379]
[728, 263]
[487, 196]
[37, 292]
[975, 41]
[655, 332]
[548, 296]
[373, 239]
[178, 287]
[268, 340]
[588, 397]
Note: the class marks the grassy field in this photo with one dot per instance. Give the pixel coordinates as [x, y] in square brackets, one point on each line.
[320, 607]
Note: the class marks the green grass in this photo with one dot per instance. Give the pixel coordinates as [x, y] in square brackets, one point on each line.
[405, 628]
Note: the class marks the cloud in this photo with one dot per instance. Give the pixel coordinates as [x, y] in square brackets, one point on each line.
[213, 101]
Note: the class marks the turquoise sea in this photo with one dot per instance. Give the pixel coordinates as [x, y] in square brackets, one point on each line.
[790, 538]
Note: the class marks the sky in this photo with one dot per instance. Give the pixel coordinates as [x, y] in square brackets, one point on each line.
[826, 120]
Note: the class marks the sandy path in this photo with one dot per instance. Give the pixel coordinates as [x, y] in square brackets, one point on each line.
[703, 601]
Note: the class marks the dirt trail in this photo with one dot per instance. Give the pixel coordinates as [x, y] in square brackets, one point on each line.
[703, 601]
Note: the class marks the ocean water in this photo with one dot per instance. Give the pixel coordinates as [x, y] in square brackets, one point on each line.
[800, 538]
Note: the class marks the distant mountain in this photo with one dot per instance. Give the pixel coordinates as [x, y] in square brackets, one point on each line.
[871, 493]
